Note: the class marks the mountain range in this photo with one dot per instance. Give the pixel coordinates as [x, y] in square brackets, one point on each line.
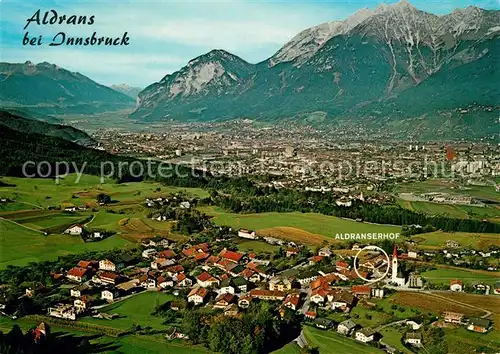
[394, 66]
[49, 89]
[130, 91]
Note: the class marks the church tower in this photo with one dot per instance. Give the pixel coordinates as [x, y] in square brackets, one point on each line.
[394, 263]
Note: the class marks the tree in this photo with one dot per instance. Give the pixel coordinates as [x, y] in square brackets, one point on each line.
[103, 198]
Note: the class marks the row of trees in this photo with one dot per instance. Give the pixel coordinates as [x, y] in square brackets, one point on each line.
[293, 200]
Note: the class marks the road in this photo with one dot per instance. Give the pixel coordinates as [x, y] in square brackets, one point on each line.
[390, 324]
[301, 340]
[26, 227]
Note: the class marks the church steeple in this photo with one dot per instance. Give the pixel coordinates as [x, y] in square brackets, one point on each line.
[394, 263]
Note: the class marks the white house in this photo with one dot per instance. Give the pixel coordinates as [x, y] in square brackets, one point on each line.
[412, 254]
[325, 252]
[365, 335]
[74, 230]
[148, 253]
[456, 285]
[109, 295]
[226, 288]
[106, 264]
[247, 234]
[414, 339]
[413, 325]
[197, 295]
[346, 327]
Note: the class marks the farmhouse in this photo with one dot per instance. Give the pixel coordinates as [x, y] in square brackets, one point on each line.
[230, 255]
[75, 230]
[414, 339]
[197, 295]
[223, 301]
[325, 252]
[456, 285]
[280, 284]
[247, 234]
[65, 311]
[109, 294]
[361, 291]
[292, 301]
[480, 325]
[244, 301]
[267, 294]
[82, 304]
[365, 335]
[318, 295]
[346, 327]
[226, 287]
[78, 274]
[323, 323]
[106, 278]
[106, 264]
[206, 280]
[79, 290]
[240, 283]
[453, 317]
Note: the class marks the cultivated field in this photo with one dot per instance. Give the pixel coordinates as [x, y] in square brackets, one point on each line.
[20, 246]
[465, 239]
[431, 304]
[135, 310]
[331, 342]
[30, 193]
[486, 192]
[444, 275]
[308, 228]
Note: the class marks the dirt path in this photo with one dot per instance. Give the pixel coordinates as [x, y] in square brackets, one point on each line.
[26, 227]
[487, 313]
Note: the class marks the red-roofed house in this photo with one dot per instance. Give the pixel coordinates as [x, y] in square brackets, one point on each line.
[361, 290]
[223, 301]
[197, 295]
[341, 265]
[318, 296]
[230, 255]
[206, 280]
[310, 315]
[456, 285]
[78, 274]
[292, 301]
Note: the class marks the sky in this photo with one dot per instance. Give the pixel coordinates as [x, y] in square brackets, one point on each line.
[165, 35]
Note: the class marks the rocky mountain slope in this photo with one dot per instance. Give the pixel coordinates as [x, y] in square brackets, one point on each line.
[393, 63]
[52, 89]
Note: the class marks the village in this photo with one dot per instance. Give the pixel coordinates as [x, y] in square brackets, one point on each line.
[318, 284]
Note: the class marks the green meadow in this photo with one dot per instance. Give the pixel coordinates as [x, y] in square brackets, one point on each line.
[39, 193]
[325, 225]
[331, 342]
[135, 310]
[20, 246]
[444, 275]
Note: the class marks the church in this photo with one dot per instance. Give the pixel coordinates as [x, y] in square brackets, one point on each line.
[396, 277]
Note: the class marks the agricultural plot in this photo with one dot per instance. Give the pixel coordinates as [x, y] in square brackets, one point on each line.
[444, 275]
[42, 193]
[307, 228]
[331, 342]
[20, 246]
[135, 310]
[429, 186]
[256, 246]
[465, 239]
